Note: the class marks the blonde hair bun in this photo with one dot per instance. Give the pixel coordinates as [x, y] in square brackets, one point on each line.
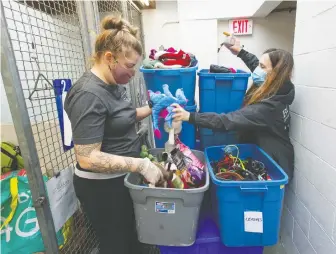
[112, 22]
[117, 35]
[117, 23]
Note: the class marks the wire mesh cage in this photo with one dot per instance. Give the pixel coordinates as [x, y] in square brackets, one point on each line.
[109, 8]
[48, 44]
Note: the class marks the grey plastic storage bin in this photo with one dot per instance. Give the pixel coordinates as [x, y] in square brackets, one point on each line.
[167, 217]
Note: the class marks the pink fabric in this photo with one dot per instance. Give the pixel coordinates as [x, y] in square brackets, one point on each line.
[152, 54]
[171, 50]
[157, 133]
[164, 113]
[233, 70]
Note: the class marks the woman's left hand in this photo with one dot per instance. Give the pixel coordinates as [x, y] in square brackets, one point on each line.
[180, 113]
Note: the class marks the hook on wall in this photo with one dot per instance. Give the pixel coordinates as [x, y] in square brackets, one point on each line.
[45, 86]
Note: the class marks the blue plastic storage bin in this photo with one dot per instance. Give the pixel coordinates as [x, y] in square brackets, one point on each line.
[176, 78]
[187, 135]
[234, 200]
[208, 242]
[211, 138]
[220, 93]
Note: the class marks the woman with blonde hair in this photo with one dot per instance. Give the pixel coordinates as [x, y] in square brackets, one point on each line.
[106, 142]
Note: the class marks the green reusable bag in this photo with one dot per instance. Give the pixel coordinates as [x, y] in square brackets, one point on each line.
[20, 232]
[11, 158]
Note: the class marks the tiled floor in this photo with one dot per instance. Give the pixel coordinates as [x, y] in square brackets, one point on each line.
[277, 249]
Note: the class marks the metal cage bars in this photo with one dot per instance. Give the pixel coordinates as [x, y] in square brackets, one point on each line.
[41, 41]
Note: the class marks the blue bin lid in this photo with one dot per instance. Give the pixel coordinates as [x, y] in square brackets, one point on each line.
[169, 71]
[239, 74]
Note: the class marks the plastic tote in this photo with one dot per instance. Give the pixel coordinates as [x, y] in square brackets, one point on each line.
[208, 242]
[167, 217]
[220, 93]
[187, 135]
[215, 138]
[184, 78]
[248, 212]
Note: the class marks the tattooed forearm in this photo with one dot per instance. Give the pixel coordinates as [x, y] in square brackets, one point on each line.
[90, 157]
[107, 163]
[86, 150]
[140, 166]
[129, 162]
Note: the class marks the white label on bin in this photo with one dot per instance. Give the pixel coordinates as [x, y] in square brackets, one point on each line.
[165, 207]
[253, 222]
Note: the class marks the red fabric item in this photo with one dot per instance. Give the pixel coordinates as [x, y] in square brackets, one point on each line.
[183, 62]
[178, 55]
[179, 58]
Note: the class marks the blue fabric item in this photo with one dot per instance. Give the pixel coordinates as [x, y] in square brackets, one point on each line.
[259, 76]
[166, 91]
[61, 87]
[169, 117]
[164, 101]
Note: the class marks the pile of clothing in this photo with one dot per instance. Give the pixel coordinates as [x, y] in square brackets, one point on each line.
[231, 168]
[169, 59]
[221, 69]
[180, 167]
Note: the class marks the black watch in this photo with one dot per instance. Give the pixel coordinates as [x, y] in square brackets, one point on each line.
[150, 103]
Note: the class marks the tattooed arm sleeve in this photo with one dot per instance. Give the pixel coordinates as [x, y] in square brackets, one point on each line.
[90, 157]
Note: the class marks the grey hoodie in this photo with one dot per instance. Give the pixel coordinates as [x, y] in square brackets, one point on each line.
[265, 124]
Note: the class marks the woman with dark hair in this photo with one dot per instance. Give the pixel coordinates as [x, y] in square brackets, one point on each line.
[264, 118]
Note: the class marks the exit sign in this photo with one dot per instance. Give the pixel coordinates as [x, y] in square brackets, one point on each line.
[241, 26]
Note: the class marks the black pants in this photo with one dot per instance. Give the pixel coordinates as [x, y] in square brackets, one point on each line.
[109, 207]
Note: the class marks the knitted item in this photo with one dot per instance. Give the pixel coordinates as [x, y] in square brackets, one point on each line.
[152, 54]
[160, 65]
[180, 58]
[158, 54]
[150, 63]
[174, 62]
[171, 50]
[221, 69]
[163, 102]
[156, 64]
[193, 60]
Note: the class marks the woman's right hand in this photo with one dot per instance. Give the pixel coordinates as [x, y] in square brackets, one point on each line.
[236, 48]
[150, 171]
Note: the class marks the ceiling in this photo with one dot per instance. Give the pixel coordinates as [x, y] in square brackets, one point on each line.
[286, 5]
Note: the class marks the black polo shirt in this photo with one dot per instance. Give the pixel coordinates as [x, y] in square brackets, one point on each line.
[102, 113]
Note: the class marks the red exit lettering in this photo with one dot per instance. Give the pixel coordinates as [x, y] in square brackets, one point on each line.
[240, 26]
[235, 26]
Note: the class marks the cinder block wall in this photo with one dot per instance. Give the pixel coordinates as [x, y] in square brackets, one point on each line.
[309, 219]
